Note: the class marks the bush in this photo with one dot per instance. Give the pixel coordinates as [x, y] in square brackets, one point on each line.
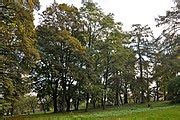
[174, 89]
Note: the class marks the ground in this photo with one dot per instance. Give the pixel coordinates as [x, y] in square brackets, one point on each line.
[156, 111]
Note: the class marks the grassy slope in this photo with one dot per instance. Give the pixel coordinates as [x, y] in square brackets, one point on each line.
[158, 111]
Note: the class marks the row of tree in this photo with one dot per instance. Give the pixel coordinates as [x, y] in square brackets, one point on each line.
[78, 56]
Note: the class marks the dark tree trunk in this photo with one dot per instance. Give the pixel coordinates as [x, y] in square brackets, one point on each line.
[68, 98]
[164, 92]
[157, 91]
[121, 100]
[142, 96]
[126, 95]
[94, 103]
[87, 102]
[77, 104]
[55, 97]
[93, 99]
[68, 105]
[141, 71]
[64, 95]
[117, 98]
[55, 102]
[102, 102]
[154, 98]
[125, 98]
[33, 111]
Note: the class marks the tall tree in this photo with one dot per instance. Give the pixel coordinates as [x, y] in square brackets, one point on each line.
[18, 48]
[167, 51]
[141, 35]
[60, 52]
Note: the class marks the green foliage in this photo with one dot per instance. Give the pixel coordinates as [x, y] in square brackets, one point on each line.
[29, 3]
[18, 49]
[61, 54]
[27, 104]
[141, 37]
[174, 89]
[166, 47]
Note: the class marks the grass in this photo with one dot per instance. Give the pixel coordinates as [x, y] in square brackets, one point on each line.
[157, 111]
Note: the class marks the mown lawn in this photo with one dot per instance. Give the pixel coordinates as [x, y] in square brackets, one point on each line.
[157, 111]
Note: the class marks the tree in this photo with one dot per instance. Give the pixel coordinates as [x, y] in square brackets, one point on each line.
[60, 52]
[141, 35]
[91, 16]
[103, 37]
[167, 55]
[26, 105]
[173, 89]
[18, 49]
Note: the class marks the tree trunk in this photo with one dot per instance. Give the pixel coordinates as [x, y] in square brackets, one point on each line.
[55, 97]
[164, 92]
[105, 86]
[33, 111]
[125, 98]
[68, 98]
[77, 105]
[121, 99]
[125, 95]
[117, 98]
[148, 96]
[55, 102]
[12, 110]
[68, 104]
[142, 96]
[94, 104]
[87, 101]
[157, 91]
[141, 71]
[64, 95]
[7, 113]
[102, 101]
[148, 92]
[117, 90]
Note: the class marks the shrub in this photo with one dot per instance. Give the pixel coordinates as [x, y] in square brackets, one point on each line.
[174, 89]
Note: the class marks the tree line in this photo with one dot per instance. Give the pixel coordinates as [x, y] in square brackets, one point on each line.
[81, 56]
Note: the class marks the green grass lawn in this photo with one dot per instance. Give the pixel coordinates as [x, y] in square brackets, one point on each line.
[157, 111]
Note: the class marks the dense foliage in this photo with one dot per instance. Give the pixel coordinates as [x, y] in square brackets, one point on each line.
[18, 50]
[174, 89]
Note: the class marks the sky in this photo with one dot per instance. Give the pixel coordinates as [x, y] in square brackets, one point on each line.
[127, 12]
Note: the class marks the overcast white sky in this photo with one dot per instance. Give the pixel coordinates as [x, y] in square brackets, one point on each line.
[126, 11]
